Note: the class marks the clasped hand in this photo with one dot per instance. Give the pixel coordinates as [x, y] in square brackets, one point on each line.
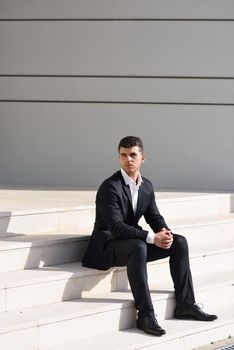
[163, 239]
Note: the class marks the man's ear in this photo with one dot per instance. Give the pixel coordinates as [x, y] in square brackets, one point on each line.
[143, 158]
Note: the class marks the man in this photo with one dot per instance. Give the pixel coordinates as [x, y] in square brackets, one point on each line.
[118, 240]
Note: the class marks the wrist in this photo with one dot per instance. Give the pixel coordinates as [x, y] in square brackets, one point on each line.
[150, 237]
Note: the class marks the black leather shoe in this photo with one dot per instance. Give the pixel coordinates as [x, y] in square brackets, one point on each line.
[150, 325]
[193, 312]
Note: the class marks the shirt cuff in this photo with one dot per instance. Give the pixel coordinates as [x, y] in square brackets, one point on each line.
[150, 237]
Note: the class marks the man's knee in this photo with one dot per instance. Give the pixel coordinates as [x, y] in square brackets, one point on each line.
[180, 242]
[139, 248]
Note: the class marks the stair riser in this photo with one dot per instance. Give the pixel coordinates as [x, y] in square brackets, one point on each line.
[46, 255]
[202, 265]
[208, 298]
[215, 299]
[2, 300]
[81, 286]
[47, 221]
[56, 291]
[212, 263]
[79, 328]
[195, 207]
[207, 233]
[202, 233]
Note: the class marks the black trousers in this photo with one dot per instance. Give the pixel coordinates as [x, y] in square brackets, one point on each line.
[135, 253]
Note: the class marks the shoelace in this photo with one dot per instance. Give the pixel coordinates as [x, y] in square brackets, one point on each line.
[199, 307]
[153, 320]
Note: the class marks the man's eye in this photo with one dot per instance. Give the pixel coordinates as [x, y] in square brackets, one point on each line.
[133, 155]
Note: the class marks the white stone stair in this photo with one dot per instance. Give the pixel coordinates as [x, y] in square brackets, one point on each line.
[72, 320]
[34, 250]
[203, 228]
[46, 220]
[36, 211]
[30, 287]
[186, 204]
[48, 301]
[180, 335]
[23, 251]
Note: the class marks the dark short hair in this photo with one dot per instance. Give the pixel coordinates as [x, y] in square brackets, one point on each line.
[131, 141]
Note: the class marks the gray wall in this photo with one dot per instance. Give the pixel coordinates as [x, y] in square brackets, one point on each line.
[76, 76]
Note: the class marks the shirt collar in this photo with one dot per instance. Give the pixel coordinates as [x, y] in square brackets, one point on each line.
[129, 181]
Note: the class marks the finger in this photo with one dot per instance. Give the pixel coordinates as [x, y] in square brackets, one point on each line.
[167, 240]
[166, 245]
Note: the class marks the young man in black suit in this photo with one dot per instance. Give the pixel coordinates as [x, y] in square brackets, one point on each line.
[118, 240]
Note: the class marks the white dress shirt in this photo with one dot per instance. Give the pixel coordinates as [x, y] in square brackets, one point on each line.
[134, 187]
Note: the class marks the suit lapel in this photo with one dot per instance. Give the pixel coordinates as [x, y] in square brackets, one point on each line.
[140, 199]
[126, 188]
[128, 192]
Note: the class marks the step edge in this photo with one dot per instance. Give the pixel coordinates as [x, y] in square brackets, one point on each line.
[69, 275]
[58, 209]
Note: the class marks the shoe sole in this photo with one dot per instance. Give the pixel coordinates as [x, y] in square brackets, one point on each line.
[159, 334]
[193, 318]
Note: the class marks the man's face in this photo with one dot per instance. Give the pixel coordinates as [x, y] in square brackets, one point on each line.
[130, 159]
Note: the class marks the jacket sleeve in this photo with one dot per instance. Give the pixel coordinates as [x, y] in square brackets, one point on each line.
[110, 210]
[153, 216]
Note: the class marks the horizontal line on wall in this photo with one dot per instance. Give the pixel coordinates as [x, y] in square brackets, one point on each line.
[110, 76]
[120, 102]
[115, 19]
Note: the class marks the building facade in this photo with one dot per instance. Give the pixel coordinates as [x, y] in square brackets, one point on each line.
[78, 75]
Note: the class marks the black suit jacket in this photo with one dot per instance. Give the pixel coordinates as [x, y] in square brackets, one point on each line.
[115, 219]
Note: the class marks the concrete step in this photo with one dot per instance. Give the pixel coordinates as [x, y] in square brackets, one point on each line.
[35, 211]
[202, 229]
[191, 204]
[28, 251]
[58, 305]
[46, 220]
[18, 332]
[38, 286]
[182, 335]
[33, 250]
[99, 315]
[208, 229]
[34, 287]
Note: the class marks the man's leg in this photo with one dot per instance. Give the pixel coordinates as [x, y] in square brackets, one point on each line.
[179, 268]
[181, 273]
[133, 254]
[182, 278]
